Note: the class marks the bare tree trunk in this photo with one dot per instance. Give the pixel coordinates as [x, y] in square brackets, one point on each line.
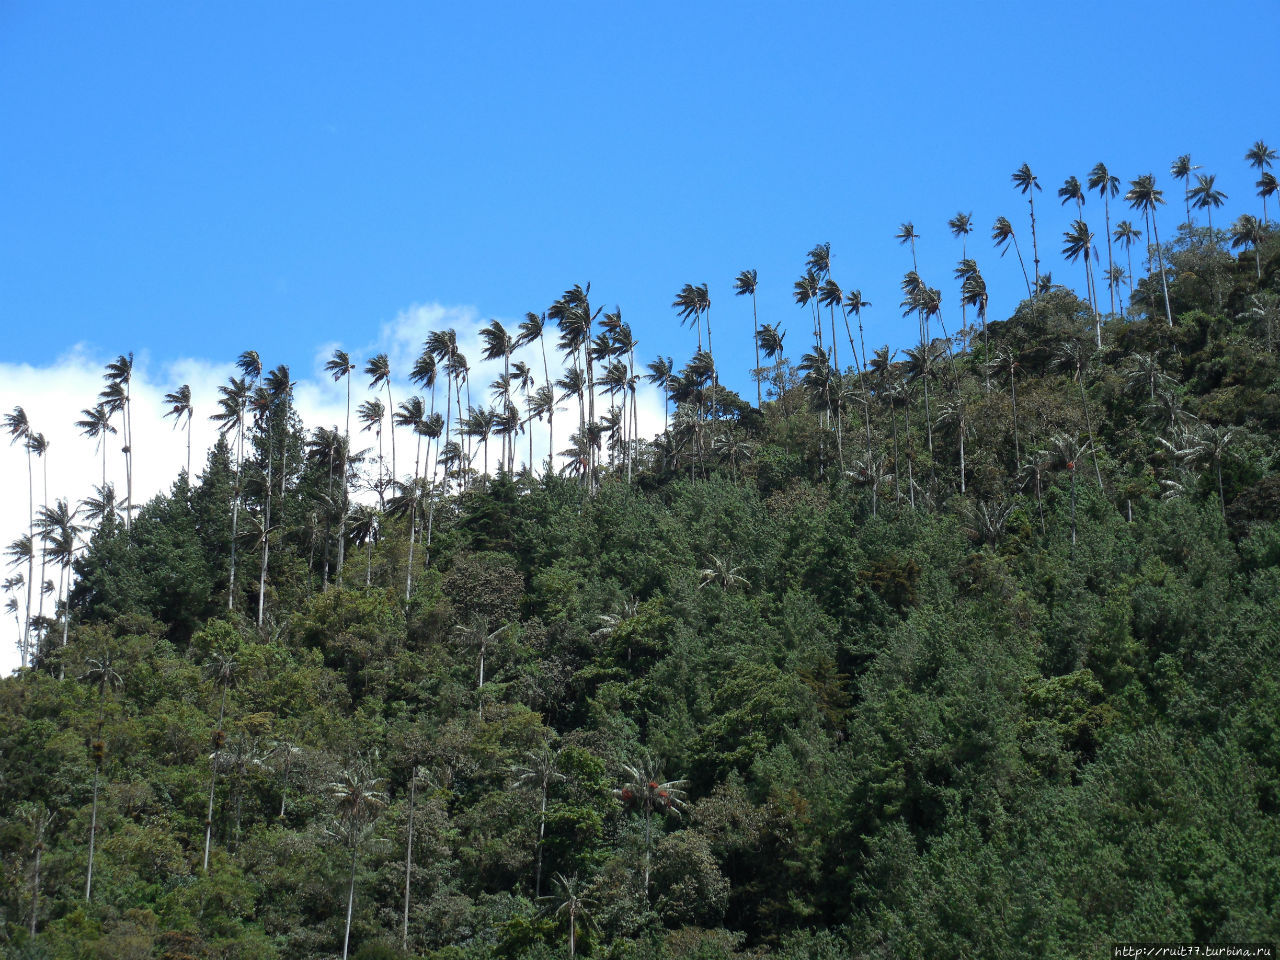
[408, 862]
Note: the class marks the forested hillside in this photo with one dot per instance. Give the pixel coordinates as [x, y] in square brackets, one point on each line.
[971, 651]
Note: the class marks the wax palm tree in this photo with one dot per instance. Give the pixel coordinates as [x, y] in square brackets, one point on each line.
[818, 378]
[1247, 231]
[224, 672]
[378, 369]
[100, 507]
[644, 791]
[722, 573]
[1077, 242]
[360, 798]
[340, 367]
[499, 344]
[539, 772]
[180, 406]
[1007, 359]
[805, 294]
[96, 425]
[661, 371]
[1116, 278]
[1107, 186]
[961, 225]
[1067, 452]
[1028, 183]
[987, 521]
[770, 340]
[572, 904]
[1145, 196]
[1261, 157]
[19, 428]
[1266, 185]
[233, 405]
[371, 414]
[1181, 169]
[1071, 190]
[1072, 357]
[745, 285]
[1206, 196]
[531, 329]
[1001, 234]
[575, 319]
[921, 358]
[1034, 469]
[1206, 445]
[1126, 233]
[59, 533]
[475, 633]
[117, 396]
[100, 673]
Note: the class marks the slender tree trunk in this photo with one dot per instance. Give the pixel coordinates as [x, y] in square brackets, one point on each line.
[93, 827]
[1035, 246]
[542, 831]
[1013, 403]
[31, 556]
[1164, 281]
[35, 882]
[408, 862]
[266, 529]
[213, 783]
[1106, 206]
[351, 902]
[235, 511]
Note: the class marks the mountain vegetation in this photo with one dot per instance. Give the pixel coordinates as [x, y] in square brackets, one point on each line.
[971, 649]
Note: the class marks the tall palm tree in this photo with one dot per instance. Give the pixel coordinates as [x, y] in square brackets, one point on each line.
[1028, 183]
[498, 343]
[1127, 234]
[961, 225]
[1071, 190]
[1107, 185]
[539, 772]
[1181, 169]
[1248, 231]
[531, 329]
[1206, 196]
[371, 413]
[360, 798]
[572, 905]
[575, 319]
[644, 791]
[19, 428]
[744, 285]
[1007, 359]
[59, 532]
[1077, 242]
[378, 369]
[233, 405]
[1073, 358]
[95, 425]
[117, 396]
[100, 673]
[180, 406]
[1001, 234]
[1260, 157]
[340, 367]
[223, 671]
[770, 340]
[1266, 185]
[1145, 196]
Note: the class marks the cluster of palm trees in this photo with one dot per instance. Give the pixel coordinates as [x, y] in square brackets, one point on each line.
[597, 375]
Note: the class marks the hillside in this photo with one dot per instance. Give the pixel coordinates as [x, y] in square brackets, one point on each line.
[969, 652]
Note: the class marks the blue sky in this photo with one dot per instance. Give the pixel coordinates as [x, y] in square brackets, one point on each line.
[187, 180]
[194, 179]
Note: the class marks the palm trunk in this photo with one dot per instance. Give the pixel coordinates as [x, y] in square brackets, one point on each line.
[213, 783]
[1035, 246]
[235, 511]
[1106, 206]
[93, 827]
[35, 882]
[408, 863]
[1022, 263]
[351, 902]
[1013, 403]
[1164, 280]
[542, 830]
[755, 336]
[31, 556]
[266, 528]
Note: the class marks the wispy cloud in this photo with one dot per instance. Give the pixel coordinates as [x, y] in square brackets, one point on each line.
[55, 395]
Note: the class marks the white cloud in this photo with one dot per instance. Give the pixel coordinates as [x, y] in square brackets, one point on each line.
[54, 396]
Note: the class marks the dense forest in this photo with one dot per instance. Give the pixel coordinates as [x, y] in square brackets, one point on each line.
[972, 650]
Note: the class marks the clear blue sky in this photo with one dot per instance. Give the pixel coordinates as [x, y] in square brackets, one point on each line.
[198, 178]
